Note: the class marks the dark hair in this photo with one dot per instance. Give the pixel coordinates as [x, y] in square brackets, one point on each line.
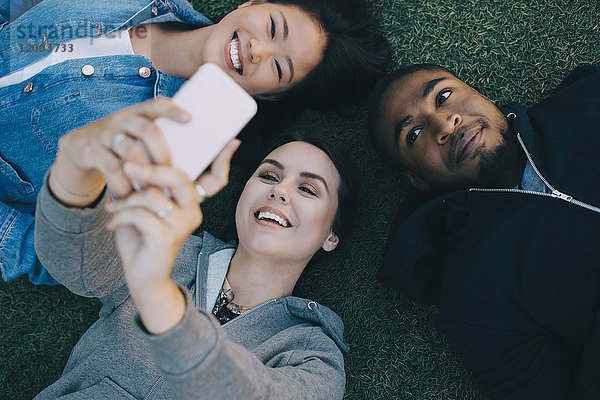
[374, 108]
[354, 58]
[349, 179]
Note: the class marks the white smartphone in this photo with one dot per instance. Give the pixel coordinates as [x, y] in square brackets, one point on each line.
[219, 110]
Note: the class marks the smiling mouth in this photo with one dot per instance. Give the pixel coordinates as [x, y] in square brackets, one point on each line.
[235, 55]
[272, 218]
[469, 145]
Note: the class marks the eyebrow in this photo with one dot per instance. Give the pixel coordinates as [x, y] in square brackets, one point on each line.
[430, 86]
[309, 175]
[291, 65]
[401, 125]
[408, 119]
[272, 162]
[286, 32]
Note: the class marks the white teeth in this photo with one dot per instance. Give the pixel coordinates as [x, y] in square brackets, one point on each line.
[233, 53]
[274, 217]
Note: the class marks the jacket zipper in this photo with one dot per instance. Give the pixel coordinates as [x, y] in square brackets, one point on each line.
[151, 391]
[554, 193]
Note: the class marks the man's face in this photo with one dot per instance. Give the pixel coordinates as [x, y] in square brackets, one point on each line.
[444, 132]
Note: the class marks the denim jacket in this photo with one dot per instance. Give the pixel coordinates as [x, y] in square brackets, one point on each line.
[34, 114]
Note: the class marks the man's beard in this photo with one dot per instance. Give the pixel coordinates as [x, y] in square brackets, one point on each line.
[497, 167]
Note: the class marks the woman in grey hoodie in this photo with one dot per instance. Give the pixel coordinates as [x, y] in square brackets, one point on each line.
[187, 316]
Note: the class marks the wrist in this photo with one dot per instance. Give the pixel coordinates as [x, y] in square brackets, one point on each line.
[149, 290]
[74, 187]
[161, 307]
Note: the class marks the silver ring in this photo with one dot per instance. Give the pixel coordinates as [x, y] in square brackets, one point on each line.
[200, 190]
[166, 210]
[117, 141]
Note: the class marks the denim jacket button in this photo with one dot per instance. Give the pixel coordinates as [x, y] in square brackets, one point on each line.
[28, 87]
[144, 72]
[87, 70]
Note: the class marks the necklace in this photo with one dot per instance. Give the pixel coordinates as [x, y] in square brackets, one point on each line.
[225, 309]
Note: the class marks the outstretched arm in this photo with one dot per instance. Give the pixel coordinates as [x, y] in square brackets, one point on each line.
[70, 237]
[151, 226]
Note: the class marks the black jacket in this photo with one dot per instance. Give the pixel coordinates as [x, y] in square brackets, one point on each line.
[517, 275]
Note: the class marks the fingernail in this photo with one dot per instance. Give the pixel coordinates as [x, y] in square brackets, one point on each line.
[183, 116]
[136, 185]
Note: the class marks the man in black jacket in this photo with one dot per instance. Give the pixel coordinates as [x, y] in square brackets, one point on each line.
[508, 242]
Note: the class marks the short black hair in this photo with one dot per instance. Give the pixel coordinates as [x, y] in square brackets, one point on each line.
[354, 59]
[374, 108]
[348, 189]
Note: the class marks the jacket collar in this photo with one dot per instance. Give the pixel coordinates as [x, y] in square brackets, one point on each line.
[281, 313]
[317, 314]
[520, 124]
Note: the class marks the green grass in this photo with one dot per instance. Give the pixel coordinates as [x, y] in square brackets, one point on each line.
[510, 50]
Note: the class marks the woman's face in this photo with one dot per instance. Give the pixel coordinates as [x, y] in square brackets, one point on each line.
[287, 208]
[266, 48]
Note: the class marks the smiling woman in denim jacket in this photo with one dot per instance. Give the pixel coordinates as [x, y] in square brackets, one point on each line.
[159, 285]
[64, 64]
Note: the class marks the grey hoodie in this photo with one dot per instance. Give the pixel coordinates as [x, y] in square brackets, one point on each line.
[287, 348]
